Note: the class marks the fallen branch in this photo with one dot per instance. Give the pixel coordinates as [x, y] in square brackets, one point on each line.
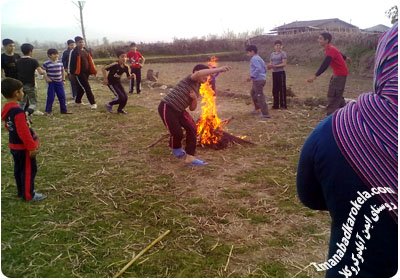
[225, 141]
[300, 271]
[157, 141]
[141, 253]
[228, 139]
[229, 257]
[227, 121]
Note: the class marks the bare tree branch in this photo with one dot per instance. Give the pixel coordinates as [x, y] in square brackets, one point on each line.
[80, 5]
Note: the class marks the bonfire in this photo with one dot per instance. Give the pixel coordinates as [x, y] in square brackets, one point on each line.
[210, 128]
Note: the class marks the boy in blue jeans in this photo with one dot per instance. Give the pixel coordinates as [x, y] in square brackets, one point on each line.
[55, 78]
[258, 75]
[23, 141]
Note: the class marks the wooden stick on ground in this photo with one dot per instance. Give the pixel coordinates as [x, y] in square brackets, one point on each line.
[141, 253]
[157, 141]
[227, 121]
[229, 257]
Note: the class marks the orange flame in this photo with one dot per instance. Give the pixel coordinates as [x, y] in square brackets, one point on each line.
[209, 126]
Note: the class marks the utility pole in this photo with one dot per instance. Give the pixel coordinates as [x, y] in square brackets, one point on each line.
[80, 5]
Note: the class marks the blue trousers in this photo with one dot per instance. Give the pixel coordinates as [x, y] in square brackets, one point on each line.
[53, 89]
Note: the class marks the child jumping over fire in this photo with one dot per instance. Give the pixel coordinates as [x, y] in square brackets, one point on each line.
[112, 79]
[172, 110]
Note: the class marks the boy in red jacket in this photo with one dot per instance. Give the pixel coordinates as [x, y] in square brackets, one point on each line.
[23, 142]
[137, 61]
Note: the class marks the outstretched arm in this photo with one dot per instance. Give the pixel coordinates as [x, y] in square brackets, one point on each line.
[325, 64]
[205, 72]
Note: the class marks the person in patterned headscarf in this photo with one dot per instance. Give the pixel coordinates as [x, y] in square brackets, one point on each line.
[348, 166]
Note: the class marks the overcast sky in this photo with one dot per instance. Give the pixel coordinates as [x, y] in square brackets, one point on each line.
[157, 20]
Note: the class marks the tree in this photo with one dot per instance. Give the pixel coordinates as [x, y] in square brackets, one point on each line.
[393, 14]
[80, 5]
[257, 32]
[106, 42]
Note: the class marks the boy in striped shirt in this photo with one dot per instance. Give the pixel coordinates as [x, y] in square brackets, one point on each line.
[55, 78]
[172, 110]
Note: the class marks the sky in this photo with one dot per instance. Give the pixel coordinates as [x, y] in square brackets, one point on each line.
[157, 20]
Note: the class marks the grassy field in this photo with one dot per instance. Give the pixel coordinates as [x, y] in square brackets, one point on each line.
[109, 196]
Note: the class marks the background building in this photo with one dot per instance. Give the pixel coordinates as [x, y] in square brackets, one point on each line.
[330, 25]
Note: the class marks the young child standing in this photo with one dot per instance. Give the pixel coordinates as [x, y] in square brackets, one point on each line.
[112, 78]
[258, 75]
[137, 61]
[277, 62]
[55, 78]
[172, 110]
[23, 142]
[26, 67]
[9, 58]
[212, 63]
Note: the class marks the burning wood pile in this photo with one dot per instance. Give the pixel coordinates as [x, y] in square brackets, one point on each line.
[210, 128]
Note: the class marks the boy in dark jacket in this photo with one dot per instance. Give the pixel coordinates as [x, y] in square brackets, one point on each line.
[23, 141]
[112, 78]
[81, 66]
[64, 59]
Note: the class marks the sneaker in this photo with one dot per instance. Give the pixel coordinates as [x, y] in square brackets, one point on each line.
[198, 162]
[191, 160]
[255, 112]
[122, 112]
[179, 153]
[29, 111]
[265, 116]
[108, 107]
[48, 114]
[66, 113]
[275, 107]
[38, 196]
[131, 92]
[93, 106]
[38, 113]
